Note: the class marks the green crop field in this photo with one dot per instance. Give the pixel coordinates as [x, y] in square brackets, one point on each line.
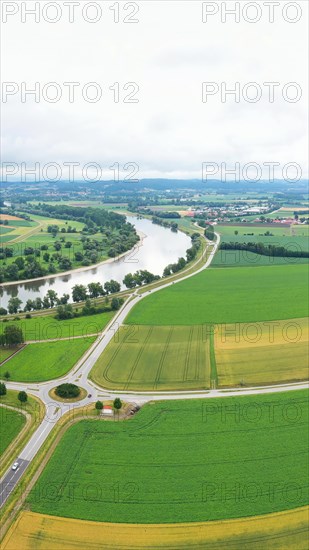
[286, 237]
[39, 362]
[7, 238]
[228, 295]
[5, 353]
[47, 327]
[243, 258]
[155, 358]
[45, 221]
[11, 422]
[22, 223]
[257, 230]
[260, 229]
[178, 461]
[288, 212]
[4, 229]
[301, 230]
[262, 353]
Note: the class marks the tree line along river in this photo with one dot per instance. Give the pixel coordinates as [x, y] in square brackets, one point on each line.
[158, 247]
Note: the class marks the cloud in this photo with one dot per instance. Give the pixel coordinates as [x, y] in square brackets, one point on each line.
[169, 53]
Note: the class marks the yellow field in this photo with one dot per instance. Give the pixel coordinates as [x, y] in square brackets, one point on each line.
[281, 531]
[8, 217]
[259, 353]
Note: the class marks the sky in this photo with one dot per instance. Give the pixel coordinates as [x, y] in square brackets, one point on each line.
[174, 124]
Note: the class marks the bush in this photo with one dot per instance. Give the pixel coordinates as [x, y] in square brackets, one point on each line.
[3, 311]
[67, 391]
[28, 316]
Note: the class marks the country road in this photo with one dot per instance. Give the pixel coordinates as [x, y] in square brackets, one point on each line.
[79, 375]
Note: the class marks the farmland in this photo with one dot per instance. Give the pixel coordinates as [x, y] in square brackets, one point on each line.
[173, 465]
[11, 423]
[39, 362]
[238, 294]
[47, 327]
[262, 353]
[146, 358]
[239, 258]
[289, 529]
[290, 238]
[289, 232]
[17, 228]
[155, 358]
[5, 353]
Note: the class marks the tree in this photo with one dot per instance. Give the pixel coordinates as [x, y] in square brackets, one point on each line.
[11, 272]
[129, 280]
[99, 406]
[115, 304]
[20, 262]
[65, 264]
[13, 335]
[79, 293]
[3, 311]
[111, 287]
[29, 250]
[209, 233]
[46, 257]
[52, 296]
[2, 388]
[64, 299]
[95, 290]
[7, 375]
[22, 397]
[117, 405]
[79, 256]
[67, 391]
[37, 303]
[64, 312]
[46, 302]
[88, 308]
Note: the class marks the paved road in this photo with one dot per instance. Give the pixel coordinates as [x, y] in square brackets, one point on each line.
[9, 481]
[79, 375]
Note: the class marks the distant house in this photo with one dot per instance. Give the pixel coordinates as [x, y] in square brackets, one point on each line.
[107, 410]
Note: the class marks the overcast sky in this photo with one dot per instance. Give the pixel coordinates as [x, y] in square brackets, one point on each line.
[170, 131]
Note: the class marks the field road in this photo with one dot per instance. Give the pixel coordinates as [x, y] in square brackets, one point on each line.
[79, 375]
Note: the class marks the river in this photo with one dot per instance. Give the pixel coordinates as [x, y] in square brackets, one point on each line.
[159, 247]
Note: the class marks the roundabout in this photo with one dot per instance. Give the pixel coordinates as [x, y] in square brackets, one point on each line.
[71, 394]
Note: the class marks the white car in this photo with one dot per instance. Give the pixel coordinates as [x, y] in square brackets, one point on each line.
[15, 466]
